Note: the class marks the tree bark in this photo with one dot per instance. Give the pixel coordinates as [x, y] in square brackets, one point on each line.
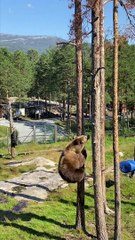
[117, 229]
[96, 136]
[102, 102]
[102, 107]
[79, 65]
[80, 214]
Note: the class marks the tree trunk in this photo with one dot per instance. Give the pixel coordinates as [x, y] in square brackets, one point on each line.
[68, 108]
[80, 215]
[63, 108]
[99, 207]
[117, 230]
[102, 107]
[79, 67]
[102, 102]
[89, 108]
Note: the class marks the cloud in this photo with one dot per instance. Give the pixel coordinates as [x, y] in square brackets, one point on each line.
[29, 5]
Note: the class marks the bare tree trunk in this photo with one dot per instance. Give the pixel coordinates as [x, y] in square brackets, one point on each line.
[99, 206]
[79, 67]
[68, 108]
[89, 108]
[117, 230]
[102, 107]
[102, 102]
[80, 215]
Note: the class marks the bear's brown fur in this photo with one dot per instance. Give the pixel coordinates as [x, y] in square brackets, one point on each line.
[72, 159]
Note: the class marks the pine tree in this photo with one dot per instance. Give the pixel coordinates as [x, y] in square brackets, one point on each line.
[96, 119]
[117, 229]
[80, 214]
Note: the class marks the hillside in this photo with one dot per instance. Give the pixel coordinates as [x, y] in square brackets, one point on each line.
[24, 43]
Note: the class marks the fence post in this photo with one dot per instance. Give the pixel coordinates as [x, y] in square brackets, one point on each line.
[34, 134]
[55, 133]
[45, 131]
[7, 140]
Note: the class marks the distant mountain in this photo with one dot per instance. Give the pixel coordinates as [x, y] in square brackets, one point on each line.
[24, 43]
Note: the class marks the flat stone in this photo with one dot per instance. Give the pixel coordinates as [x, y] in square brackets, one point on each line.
[34, 185]
[32, 193]
[39, 161]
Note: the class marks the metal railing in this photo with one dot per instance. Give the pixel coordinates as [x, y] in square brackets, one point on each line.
[36, 135]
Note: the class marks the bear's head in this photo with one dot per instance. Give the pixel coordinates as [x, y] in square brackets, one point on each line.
[78, 143]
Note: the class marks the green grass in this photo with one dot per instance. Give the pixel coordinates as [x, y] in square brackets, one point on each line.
[3, 131]
[3, 134]
[11, 172]
[55, 218]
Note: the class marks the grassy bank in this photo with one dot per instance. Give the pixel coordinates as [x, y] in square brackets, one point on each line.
[55, 218]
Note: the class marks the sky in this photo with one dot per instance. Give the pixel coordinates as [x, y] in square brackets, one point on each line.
[44, 17]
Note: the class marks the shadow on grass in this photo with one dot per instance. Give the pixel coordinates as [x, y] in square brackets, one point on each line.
[128, 203]
[11, 216]
[72, 203]
[109, 183]
[32, 231]
[122, 201]
[89, 195]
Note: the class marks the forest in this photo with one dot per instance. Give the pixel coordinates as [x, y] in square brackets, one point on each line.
[52, 73]
[74, 73]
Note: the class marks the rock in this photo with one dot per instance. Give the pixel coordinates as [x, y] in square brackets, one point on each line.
[34, 185]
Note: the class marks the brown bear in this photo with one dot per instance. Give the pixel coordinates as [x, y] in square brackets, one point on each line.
[72, 159]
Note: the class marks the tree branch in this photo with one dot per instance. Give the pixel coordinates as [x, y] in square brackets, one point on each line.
[66, 43]
[107, 1]
[127, 12]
